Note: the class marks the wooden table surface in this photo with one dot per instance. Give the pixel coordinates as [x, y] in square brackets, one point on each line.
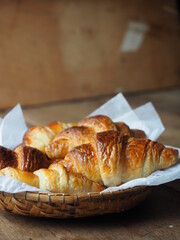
[158, 217]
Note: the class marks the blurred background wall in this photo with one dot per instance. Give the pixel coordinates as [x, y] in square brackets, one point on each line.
[58, 50]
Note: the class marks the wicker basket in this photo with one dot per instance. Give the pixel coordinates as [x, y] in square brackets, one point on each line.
[69, 206]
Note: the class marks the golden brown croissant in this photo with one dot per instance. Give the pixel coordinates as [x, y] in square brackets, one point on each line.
[67, 140]
[110, 159]
[25, 177]
[56, 179]
[97, 151]
[83, 133]
[7, 158]
[113, 158]
[24, 158]
[123, 128]
[101, 123]
[98, 123]
[31, 159]
[38, 137]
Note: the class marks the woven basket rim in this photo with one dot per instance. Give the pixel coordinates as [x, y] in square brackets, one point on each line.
[74, 198]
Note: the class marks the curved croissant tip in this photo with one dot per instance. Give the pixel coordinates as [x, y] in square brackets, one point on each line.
[169, 157]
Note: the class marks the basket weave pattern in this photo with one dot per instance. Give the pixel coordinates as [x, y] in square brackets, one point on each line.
[69, 206]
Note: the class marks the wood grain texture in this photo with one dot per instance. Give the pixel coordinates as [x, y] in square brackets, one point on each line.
[54, 50]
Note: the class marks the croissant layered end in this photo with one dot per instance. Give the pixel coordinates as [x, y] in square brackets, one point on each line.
[57, 127]
[30, 159]
[99, 123]
[38, 137]
[83, 159]
[67, 140]
[81, 184]
[168, 158]
[58, 179]
[8, 158]
[25, 177]
[136, 133]
[58, 149]
[48, 180]
[63, 175]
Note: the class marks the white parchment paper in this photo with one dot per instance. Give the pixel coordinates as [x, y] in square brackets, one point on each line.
[13, 127]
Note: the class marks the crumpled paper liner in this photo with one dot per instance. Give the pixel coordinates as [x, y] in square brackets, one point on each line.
[13, 127]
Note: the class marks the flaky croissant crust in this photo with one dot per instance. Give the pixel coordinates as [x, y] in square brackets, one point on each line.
[85, 156]
[112, 158]
[84, 132]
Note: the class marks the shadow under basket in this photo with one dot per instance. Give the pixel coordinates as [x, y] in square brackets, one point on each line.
[57, 205]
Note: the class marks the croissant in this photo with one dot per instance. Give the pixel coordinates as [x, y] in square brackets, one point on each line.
[24, 158]
[84, 133]
[113, 158]
[7, 158]
[56, 179]
[38, 137]
[123, 128]
[85, 157]
[109, 160]
[31, 159]
[101, 123]
[67, 140]
[25, 177]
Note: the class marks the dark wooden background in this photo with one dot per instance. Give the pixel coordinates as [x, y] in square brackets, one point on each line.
[56, 50]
